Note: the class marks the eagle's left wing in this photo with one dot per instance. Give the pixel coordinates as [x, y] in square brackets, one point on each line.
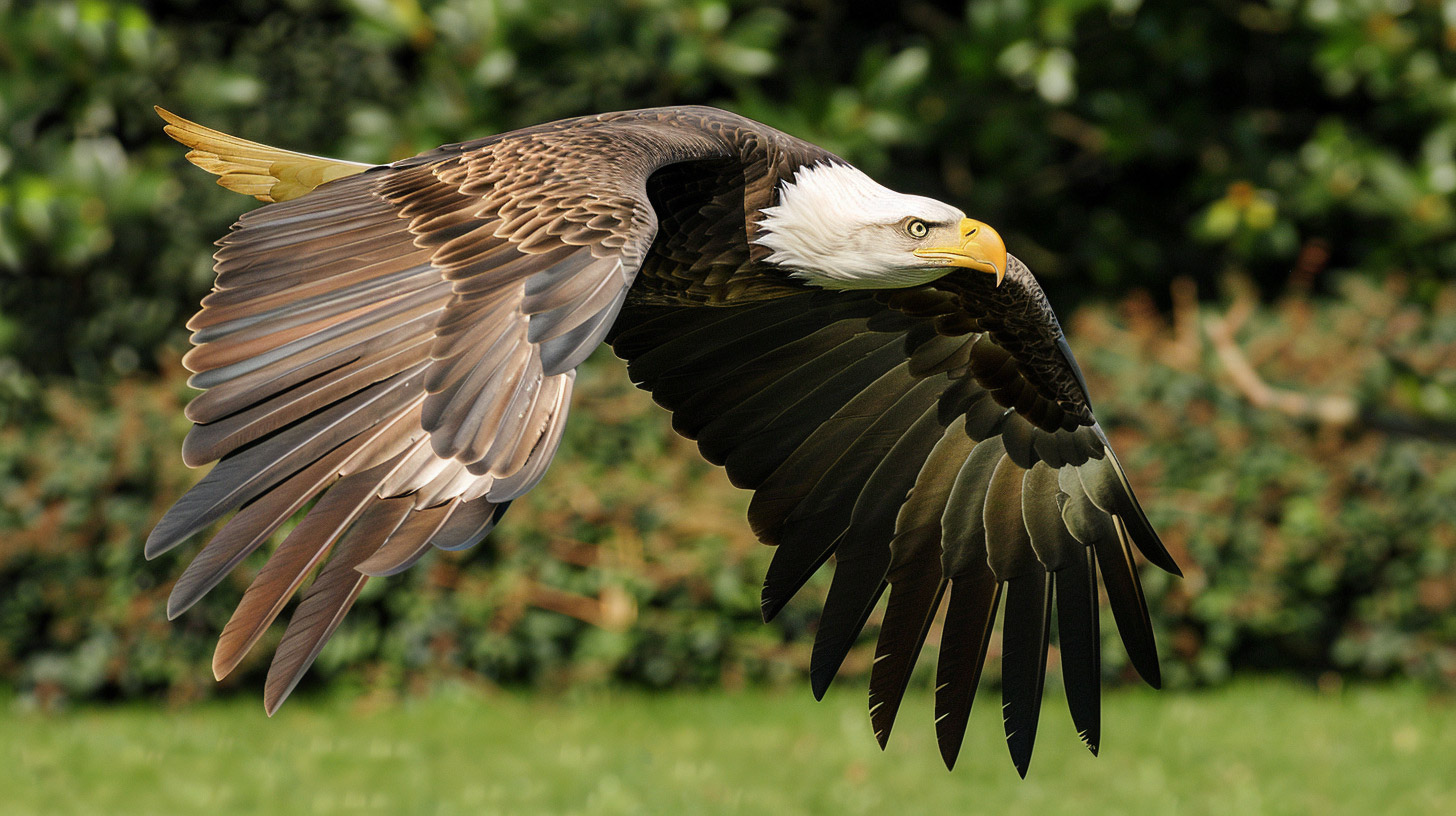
[932, 440]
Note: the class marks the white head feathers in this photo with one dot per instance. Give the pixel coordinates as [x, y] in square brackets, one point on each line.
[837, 228]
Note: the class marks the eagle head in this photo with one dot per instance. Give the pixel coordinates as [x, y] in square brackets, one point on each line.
[837, 228]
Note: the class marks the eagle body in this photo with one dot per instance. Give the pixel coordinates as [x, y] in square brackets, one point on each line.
[397, 344]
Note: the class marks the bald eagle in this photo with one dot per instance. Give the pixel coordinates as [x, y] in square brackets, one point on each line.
[399, 343]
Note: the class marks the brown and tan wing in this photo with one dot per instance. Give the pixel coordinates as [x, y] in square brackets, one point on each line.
[398, 347]
[899, 435]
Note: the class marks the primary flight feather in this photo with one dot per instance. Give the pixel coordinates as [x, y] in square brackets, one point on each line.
[397, 344]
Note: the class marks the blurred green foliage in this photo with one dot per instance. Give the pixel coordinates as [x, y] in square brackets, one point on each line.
[1111, 141]
[1115, 143]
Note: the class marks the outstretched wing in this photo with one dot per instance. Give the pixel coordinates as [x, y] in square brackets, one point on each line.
[399, 344]
[936, 441]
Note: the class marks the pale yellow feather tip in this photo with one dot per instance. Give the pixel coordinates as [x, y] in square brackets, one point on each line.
[265, 173]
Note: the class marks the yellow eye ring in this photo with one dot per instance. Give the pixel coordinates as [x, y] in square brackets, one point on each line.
[916, 228]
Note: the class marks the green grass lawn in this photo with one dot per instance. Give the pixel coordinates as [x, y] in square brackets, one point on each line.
[1255, 747]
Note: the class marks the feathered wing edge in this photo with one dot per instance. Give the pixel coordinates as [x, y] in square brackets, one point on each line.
[1031, 540]
[864, 438]
[386, 349]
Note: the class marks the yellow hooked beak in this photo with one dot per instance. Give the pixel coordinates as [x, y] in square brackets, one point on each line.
[981, 248]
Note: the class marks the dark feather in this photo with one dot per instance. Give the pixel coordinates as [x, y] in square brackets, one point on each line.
[1024, 637]
[916, 581]
[974, 596]
[1080, 641]
[1074, 580]
[751, 445]
[1099, 531]
[808, 501]
[908, 616]
[1024, 633]
[864, 556]
[839, 625]
[1107, 487]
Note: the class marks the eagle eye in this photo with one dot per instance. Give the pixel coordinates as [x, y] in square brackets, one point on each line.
[916, 228]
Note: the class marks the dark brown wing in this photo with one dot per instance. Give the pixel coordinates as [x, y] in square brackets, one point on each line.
[900, 433]
[400, 345]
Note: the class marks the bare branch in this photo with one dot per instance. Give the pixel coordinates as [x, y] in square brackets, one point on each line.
[1331, 409]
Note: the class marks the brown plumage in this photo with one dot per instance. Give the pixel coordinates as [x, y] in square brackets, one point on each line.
[397, 344]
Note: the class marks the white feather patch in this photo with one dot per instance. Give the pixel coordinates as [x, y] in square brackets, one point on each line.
[837, 228]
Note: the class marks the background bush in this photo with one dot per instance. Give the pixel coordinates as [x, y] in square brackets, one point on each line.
[1307, 147]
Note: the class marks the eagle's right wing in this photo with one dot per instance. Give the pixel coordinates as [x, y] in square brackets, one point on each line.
[397, 346]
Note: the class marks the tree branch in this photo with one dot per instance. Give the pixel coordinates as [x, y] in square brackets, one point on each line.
[1330, 409]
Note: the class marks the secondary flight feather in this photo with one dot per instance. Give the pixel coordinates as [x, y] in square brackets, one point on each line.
[397, 344]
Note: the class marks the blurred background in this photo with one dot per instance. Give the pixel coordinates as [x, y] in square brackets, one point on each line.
[1242, 209]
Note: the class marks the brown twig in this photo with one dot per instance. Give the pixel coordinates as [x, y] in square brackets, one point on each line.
[613, 609]
[1330, 409]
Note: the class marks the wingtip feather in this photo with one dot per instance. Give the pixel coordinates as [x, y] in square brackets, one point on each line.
[769, 607]
[174, 607]
[221, 668]
[819, 682]
[274, 698]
